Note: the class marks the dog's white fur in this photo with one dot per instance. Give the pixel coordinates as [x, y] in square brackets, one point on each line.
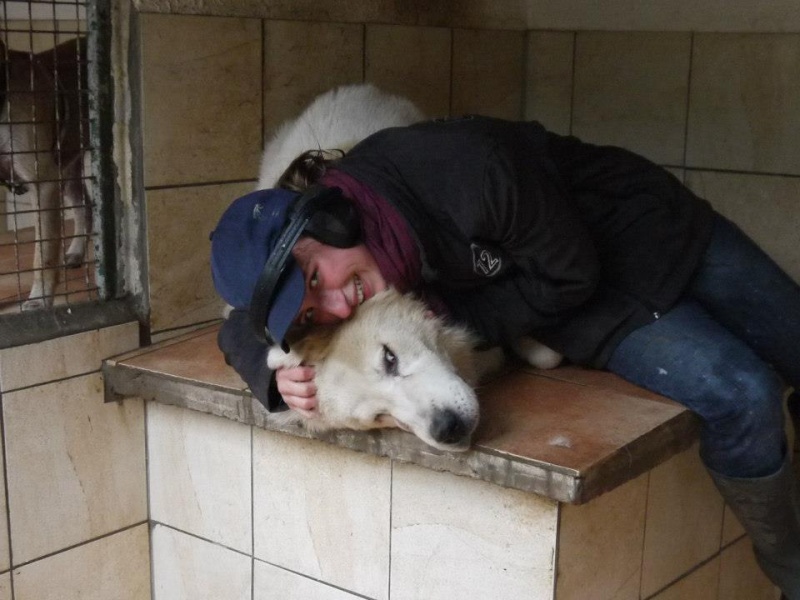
[335, 120]
[431, 395]
[42, 137]
[393, 365]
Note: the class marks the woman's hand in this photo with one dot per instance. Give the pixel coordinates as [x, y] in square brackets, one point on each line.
[296, 385]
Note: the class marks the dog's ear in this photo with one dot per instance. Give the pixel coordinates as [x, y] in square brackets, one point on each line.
[277, 359]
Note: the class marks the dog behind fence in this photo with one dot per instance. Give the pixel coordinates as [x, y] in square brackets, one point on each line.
[46, 249]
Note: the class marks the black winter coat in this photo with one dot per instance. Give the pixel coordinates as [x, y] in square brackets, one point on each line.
[526, 232]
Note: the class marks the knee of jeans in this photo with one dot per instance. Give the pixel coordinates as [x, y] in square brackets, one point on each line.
[744, 401]
[743, 430]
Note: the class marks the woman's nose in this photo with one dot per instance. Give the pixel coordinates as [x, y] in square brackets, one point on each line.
[334, 306]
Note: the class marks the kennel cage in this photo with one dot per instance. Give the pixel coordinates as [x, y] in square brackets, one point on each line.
[50, 159]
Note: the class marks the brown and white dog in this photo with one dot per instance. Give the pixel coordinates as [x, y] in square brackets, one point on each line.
[43, 152]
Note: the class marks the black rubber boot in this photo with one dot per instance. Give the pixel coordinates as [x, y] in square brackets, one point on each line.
[769, 510]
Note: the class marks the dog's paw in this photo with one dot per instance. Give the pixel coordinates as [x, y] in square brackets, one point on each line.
[537, 354]
[278, 359]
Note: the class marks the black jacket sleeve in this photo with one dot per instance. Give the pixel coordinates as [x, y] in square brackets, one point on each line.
[248, 356]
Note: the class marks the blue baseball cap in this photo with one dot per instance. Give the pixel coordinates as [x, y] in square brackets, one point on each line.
[241, 244]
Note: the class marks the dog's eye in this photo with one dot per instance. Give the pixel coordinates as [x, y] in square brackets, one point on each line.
[390, 361]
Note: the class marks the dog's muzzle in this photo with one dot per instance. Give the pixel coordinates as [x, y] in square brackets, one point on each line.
[450, 428]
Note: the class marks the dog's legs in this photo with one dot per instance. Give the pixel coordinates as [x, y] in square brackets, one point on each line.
[76, 198]
[45, 250]
[537, 354]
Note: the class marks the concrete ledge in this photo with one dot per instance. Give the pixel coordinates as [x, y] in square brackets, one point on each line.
[567, 434]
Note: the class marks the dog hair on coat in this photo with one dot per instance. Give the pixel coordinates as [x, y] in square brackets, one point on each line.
[394, 364]
[43, 137]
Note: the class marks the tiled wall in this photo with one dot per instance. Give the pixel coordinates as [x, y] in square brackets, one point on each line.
[304, 519]
[73, 511]
[663, 536]
[247, 514]
[718, 109]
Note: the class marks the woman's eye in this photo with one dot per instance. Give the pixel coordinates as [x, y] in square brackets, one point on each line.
[314, 281]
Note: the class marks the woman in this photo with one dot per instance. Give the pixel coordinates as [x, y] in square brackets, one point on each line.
[594, 251]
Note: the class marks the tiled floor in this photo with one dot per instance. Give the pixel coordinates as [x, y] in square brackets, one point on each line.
[16, 274]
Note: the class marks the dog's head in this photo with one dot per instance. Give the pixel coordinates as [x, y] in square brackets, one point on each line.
[395, 365]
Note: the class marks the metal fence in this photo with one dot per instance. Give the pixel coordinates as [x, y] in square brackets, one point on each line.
[49, 253]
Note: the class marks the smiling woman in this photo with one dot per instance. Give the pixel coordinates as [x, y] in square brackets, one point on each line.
[337, 280]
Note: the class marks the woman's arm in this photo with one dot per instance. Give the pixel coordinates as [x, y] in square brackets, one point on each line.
[276, 390]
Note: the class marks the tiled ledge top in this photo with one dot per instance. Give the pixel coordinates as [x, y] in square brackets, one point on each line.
[568, 434]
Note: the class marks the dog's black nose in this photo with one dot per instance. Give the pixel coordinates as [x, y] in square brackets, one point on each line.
[448, 427]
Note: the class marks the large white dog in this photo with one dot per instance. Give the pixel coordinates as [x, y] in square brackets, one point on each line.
[392, 364]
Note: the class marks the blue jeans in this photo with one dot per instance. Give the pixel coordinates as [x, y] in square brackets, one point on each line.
[726, 351]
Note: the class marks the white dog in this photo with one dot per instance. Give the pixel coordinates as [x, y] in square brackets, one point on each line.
[392, 364]
[43, 137]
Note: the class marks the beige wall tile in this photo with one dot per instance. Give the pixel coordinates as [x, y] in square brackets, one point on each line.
[5, 555]
[66, 356]
[273, 582]
[684, 520]
[322, 511]
[743, 113]
[667, 15]
[200, 476]
[601, 542]
[488, 73]
[454, 537]
[702, 584]
[5, 586]
[186, 567]
[303, 60]
[676, 15]
[413, 62]
[548, 81]
[766, 208]
[179, 223]
[630, 91]
[116, 567]
[201, 79]
[740, 577]
[76, 466]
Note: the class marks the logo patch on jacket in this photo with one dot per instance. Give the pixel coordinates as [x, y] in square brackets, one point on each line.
[485, 262]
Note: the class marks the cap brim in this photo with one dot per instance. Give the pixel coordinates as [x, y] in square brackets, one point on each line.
[287, 302]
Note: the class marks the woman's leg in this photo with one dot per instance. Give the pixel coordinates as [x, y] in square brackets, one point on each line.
[688, 356]
[743, 288]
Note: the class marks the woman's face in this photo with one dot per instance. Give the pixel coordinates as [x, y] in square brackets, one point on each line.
[337, 280]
